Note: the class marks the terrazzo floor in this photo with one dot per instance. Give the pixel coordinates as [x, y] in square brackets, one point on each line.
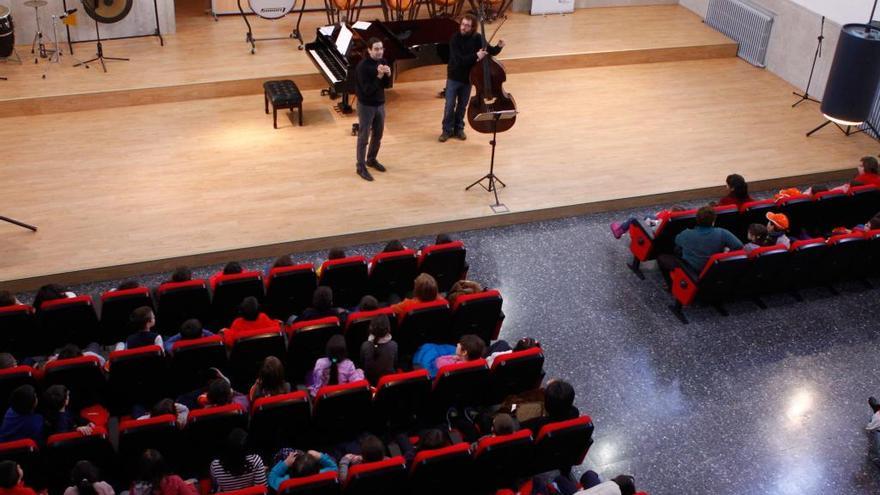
[760, 402]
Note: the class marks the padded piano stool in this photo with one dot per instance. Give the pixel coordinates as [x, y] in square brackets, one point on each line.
[283, 94]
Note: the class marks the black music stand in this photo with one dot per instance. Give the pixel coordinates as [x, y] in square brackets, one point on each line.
[20, 224]
[492, 187]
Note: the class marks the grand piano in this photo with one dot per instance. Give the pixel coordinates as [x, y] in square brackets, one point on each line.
[408, 44]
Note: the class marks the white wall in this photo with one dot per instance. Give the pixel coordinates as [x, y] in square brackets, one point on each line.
[841, 11]
[793, 40]
[525, 5]
[141, 20]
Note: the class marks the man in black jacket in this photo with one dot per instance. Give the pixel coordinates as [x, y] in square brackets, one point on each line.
[465, 50]
[372, 76]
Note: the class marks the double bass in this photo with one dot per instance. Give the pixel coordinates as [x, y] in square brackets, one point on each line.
[488, 76]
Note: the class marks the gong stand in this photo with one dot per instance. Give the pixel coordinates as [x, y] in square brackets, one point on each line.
[157, 32]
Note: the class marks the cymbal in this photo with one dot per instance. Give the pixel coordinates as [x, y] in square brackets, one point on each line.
[36, 3]
[4, 11]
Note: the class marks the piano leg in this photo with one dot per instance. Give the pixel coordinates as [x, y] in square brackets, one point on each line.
[344, 105]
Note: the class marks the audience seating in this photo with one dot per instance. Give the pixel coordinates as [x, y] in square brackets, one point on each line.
[424, 322]
[478, 314]
[501, 460]
[754, 212]
[27, 454]
[83, 377]
[254, 490]
[229, 291]
[137, 376]
[11, 379]
[387, 477]
[401, 399]
[460, 384]
[307, 341]
[357, 329]
[347, 277]
[67, 321]
[770, 266]
[281, 420]
[832, 210]
[846, 255]
[116, 308]
[340, 410]
[392, 274]
[135, 436]
[180, 301]
[442, 471]
[805, 256]
[318, 484]
[191, 358]
[563, 444]
[445, 262]
[63, 450]
[289, 290]
[18, 330]
[872, 260]
[800, 210]
[864, 204]
[206, 431]
[249, 349]
[516, 372]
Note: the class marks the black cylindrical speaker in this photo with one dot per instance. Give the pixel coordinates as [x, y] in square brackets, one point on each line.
[855, 75]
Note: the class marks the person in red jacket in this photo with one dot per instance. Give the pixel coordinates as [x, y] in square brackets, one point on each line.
[737, 191]
[868, 172]
[251, 319]
[12, 480]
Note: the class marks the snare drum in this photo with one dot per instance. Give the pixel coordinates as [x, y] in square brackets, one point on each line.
[271, 9]
[7, 32]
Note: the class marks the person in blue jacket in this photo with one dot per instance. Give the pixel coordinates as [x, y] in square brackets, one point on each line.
[21, 421]
[299, 464]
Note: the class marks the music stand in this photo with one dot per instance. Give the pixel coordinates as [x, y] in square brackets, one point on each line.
[492, 187]
[20, 224]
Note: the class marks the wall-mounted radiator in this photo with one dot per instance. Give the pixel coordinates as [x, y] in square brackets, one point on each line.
[745, 22]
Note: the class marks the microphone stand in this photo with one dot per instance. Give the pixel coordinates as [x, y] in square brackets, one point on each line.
[20, 224]
[806, 94]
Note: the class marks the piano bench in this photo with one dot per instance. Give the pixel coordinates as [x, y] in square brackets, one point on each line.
[282, 94]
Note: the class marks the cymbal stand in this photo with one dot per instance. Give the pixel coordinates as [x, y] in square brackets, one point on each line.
[99, 54]
[55, 58]
[38, 48]
[805, 96]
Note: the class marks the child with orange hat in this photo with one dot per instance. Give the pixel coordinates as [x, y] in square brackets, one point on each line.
[777, 226]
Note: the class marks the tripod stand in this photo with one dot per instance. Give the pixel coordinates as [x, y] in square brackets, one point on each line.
[492, 178]
[848, 131]
[100, 52]
[20, 224]
[806, 95]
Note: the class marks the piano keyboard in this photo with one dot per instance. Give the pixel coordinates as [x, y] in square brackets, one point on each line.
[332, 75]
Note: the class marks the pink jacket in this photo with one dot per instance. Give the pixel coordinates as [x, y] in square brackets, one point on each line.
[321, 374]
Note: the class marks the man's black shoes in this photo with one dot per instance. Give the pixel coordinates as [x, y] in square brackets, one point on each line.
[376, 165]
[364, 173]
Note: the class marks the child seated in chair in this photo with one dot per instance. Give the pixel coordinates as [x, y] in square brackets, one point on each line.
[298, 464]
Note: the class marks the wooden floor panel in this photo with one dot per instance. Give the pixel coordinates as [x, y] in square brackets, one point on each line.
[183, 180]
[210, 59]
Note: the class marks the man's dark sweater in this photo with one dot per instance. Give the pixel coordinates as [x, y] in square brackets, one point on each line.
[463, 55]
[369, 88]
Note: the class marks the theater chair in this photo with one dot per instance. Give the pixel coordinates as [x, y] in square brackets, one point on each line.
[393, 273]
[872, 257]
[503, 460]
[229, 291]
[249, 349]
[340, 410]
[800, 210]
[254, 490]
[562, 444]
[63, 450]
[768, 272]
[645, 244]
[864, 205]
[347, 277]
[754, 212]
[26, 453]
[307, 341]
[832, 210]
[445, 262]
[137, 376]
[460, 384]
[205, 434]
[67, 321]
[442, 471]
[11, 379]
[387, 477]
[180, 301]
[478, 314]
[401, 399]
[846, 257]
[806, 259]
[135, 436]
[280, 421]
[18, 330]
[317, 484]
[116, 309]
[357, 329]
[717, 282]
[516, 372]
[728, 217]
[289, 290]
[83, 377]
[424, 322]
[191, 359]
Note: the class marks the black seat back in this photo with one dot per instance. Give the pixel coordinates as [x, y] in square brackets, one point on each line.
[180, 301]
[393, 273]
[347, 277]
[116, 308]
[289, 290]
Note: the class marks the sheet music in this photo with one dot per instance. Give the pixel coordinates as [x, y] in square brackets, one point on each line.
[361, 25]
[343, 39]
[326, 30]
